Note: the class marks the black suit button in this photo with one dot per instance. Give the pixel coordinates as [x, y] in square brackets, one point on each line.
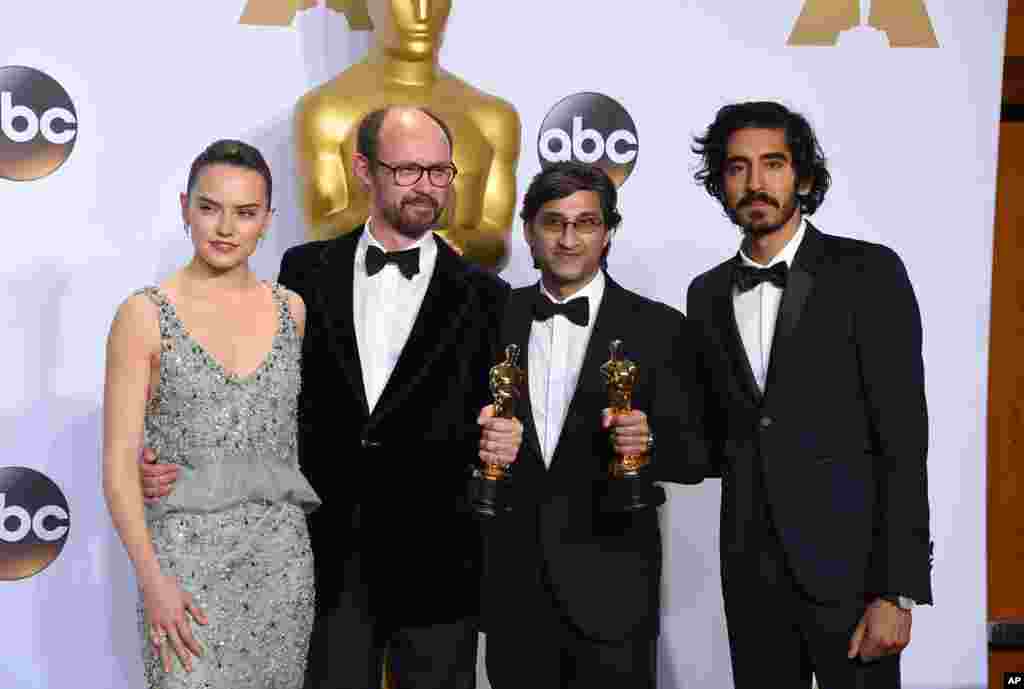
[766, 421]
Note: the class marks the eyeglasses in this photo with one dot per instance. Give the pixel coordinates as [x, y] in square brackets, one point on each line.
[557, 224]
[407, 174]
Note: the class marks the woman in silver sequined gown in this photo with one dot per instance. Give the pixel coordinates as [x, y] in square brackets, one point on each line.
[224, 564]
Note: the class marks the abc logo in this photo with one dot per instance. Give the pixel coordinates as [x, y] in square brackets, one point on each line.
[590, 128]
[34, 522]
[38, 124]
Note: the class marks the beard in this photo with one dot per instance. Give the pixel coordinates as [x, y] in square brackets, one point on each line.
[754, 225]
[407, 215]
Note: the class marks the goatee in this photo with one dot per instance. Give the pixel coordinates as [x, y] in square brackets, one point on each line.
[404, 225]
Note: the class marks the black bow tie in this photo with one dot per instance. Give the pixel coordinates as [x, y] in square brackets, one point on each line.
[576, 310]
[748, 277]
[408, 261]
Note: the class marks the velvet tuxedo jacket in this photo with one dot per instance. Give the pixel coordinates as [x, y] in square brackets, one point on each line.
[393, 481]
[604, 570]
[836, 445]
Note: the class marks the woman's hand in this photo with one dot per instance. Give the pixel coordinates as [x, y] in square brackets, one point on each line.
[168, 610]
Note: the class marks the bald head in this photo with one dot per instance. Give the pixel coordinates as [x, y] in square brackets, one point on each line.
[418, 126]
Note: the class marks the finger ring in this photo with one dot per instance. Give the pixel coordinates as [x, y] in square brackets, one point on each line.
[161, 637]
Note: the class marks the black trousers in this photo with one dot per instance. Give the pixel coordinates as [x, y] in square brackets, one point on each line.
[779, 636]
[543, 649]
[348, 647]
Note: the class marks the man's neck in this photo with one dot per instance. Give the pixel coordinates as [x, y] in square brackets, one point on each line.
[765, 247]
[390, 238]
[564, 290]
[403, 70]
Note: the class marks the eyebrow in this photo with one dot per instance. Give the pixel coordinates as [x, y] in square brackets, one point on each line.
[207, 199]
[243, 206]
[444, 163]
[778, 155]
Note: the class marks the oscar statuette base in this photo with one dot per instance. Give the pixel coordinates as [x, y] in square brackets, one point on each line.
[488, 492]
[631, 492]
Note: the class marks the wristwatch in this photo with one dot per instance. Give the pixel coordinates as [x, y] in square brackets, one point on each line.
[901, 602]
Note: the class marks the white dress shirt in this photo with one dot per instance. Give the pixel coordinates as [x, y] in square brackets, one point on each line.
[557, 347]
[384, 308]
[757, 309]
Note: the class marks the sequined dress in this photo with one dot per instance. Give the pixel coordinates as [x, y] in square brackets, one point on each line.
[233, 530]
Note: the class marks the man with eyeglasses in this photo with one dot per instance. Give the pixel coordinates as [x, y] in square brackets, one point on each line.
[400, 335]
[570, 594]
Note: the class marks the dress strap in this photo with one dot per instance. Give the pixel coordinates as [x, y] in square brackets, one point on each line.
[167, 317]
[286, 321]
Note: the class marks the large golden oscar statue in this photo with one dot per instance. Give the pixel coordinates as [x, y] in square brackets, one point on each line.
[402, 68]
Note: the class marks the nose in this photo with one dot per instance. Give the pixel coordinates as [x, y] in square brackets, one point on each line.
[421, 10]
[226, 225]
[568, 238]
[754, 179]
[423, 184]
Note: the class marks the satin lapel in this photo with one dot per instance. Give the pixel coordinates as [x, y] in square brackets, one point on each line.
[591, 384]
[448, 299]
[334, 295]
[725, 320]
[794, 299]
[518, 321]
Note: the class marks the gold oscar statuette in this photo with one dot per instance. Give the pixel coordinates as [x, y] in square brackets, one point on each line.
[628, 489]
[489, 485]
[403, 68]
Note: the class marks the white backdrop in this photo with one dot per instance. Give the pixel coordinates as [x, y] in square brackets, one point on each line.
[911, 137]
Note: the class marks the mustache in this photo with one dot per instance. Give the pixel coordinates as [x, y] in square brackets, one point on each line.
[421, 198]
[757, 196]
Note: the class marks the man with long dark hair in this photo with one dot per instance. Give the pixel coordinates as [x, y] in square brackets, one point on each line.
[816, 419]
[571, 591]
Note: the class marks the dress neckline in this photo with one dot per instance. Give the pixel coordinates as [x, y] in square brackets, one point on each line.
[211, 360]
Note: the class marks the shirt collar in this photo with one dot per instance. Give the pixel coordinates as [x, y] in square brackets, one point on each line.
[426, 244]
[787, 254]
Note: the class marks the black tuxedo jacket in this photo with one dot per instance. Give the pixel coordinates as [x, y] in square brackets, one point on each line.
[836, 446]
[392, 482]
[604, 570]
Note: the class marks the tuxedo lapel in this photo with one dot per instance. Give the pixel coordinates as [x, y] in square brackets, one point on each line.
[448, 299]
[518, 321]
[794, 300]
[725, 321]
[334, 295]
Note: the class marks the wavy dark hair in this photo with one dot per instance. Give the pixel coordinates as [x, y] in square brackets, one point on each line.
[808, 158]
[230, 152]
[565, 178]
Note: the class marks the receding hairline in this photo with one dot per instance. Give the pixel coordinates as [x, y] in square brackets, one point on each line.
[393, 114]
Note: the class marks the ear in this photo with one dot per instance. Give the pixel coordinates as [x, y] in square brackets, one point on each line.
[608, 236]
[268, 221]
[361, 166]
[528, 233]
[183, 198]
